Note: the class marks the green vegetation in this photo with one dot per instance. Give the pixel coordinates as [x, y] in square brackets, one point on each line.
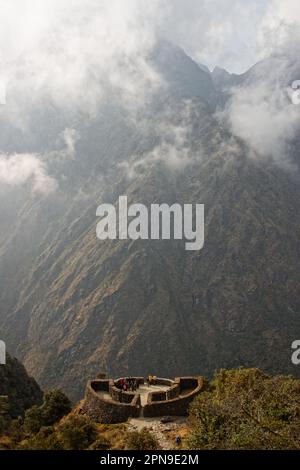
[22, 391]
[45, 439]
[246, 409]
[4, 409]
[55, 405]
[77, 433]
[141, 440]
[36, 430]
[238, 409]
[53, 425]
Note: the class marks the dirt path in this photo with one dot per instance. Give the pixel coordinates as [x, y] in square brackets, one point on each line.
[158, 429]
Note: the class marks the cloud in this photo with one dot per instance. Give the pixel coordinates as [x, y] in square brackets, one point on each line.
[265, 119]
[76, 55]
[69, 52]
[18, 169]
[280, 12]
[262, 110]
[218, 32]
[232, 37]
[174, 150]
[70, 137]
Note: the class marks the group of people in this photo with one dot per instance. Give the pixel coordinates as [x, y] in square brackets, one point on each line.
[151, 379]
[128, 384]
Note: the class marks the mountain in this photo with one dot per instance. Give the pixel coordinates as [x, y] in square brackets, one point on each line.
[72, 306]
[22, 391]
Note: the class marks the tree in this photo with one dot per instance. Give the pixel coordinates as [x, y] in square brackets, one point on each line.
[4, 416]
[33, 420]
[77, 433]
[246, 409]
[55, 405]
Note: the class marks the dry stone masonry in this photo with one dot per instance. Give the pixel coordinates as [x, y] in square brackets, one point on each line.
[105, 402]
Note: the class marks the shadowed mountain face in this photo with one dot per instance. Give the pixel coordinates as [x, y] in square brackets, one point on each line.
[22, 391]
[72, 306]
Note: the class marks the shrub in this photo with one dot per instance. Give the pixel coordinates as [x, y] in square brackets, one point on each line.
[245, 409]
[77, 433]
[55, 405]
[142, 440]
[16, 431]
[33, 419]
[45, 439]
[101, 443]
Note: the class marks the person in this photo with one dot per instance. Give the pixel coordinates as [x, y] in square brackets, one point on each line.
[131, 384]
[178, 440]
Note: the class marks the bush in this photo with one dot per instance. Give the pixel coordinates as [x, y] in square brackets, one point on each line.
[55, 405]
[3, 424]
[16, 431]
[45, 439]
[245, 409]
[33, 419]
[77, 433]
[100, 444]
[142, 440]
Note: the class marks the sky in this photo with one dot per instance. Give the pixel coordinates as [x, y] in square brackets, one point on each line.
[67, 51]
[228, 33]
[220, 32]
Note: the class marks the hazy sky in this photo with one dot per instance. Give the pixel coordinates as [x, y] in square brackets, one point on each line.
[229, 33]
[66, 48]
[66, 52]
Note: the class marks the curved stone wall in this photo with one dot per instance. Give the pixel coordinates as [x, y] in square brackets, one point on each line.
[106, 410]
[105, 403]
[187, 389]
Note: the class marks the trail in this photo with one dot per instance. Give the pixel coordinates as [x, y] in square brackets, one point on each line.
[158, 429]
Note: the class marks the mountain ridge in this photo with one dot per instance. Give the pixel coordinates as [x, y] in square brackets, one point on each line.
[73, 306]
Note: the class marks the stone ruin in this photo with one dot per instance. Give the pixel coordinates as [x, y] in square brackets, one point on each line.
[105, 402]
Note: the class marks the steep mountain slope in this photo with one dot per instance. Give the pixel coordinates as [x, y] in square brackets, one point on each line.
[72, 306]
[22, 391]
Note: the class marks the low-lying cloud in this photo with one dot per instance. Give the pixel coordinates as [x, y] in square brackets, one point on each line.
[262, 110]
[265, 119]
[172, 131]
[69, 52]
[75, 55]
[19, 169]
